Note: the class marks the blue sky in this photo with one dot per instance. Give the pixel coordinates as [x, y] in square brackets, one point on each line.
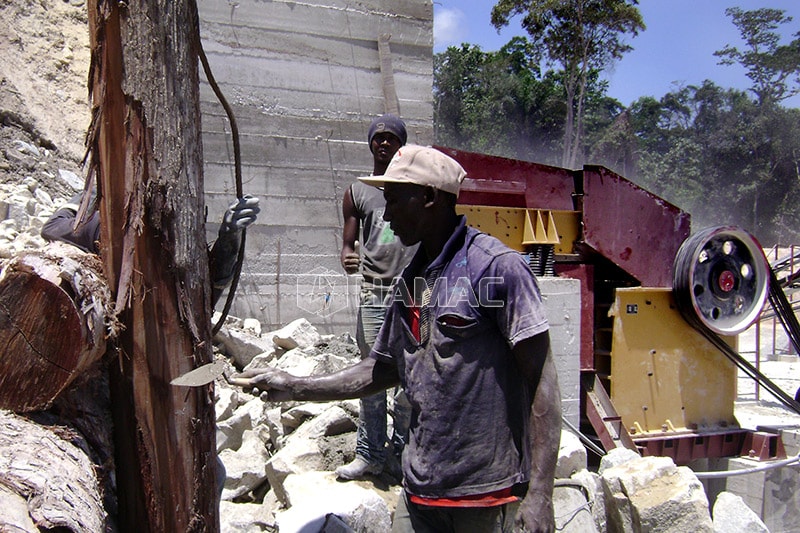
[675, 50]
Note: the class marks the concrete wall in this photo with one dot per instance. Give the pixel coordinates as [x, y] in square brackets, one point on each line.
[304, 81]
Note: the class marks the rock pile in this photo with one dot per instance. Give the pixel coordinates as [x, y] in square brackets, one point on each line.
[280, 459]
[25, 204]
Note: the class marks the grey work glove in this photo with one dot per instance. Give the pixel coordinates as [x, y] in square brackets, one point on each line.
[225, 251]
[240, 214]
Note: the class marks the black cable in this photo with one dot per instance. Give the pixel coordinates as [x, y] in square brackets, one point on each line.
[237, 164]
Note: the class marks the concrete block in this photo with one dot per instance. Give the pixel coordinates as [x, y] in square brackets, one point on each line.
[791, 440]
[782, 499]
[773, 494]
[562, 300]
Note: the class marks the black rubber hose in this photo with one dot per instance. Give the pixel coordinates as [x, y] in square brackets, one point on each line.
[237, 164]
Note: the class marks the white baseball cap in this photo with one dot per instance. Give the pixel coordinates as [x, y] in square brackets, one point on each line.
[421, 165]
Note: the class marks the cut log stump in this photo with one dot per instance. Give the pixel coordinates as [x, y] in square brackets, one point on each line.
[54, 306]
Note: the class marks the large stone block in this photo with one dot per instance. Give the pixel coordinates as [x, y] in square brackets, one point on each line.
[652, 494]
[572, 509]
[245, 466]
[315, 495]
[731, 514]
[301, 451]
[571, 455]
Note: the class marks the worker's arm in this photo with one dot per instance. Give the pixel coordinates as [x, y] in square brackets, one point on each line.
[352, 224]
[362, 379]
[536, 362]
[61, 227]
[225, 251]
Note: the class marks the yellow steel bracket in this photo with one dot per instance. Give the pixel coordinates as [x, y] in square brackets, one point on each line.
[519, 228]
[540, 228]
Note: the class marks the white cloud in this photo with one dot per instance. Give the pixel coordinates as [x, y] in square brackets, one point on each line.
[449, 27]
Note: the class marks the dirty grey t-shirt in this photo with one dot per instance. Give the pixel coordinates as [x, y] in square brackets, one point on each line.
[470, 402]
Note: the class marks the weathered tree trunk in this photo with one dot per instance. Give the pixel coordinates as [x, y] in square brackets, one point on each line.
[45, 480]
[147, 156]
[53, 305]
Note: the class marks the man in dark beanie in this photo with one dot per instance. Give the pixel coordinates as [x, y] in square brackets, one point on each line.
[387, 123]
[379, 258]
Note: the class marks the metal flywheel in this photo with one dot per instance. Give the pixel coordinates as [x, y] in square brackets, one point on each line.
[720, 279]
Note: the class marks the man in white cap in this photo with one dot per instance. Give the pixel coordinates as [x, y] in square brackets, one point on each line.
[467, 337]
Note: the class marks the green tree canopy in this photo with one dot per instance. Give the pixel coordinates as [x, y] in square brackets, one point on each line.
[497, 102]
[715, 153]
[773, 68]
[582, 36]
[720, 154]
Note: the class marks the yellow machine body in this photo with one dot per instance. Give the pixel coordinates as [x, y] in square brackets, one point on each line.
[665, 376]
[518, 227]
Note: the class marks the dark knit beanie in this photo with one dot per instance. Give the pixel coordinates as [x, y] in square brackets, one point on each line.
[388, 122]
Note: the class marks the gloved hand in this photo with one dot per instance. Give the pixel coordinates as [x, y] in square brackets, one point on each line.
[240, 214]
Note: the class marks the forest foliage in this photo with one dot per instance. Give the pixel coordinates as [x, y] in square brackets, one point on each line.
[726, 156]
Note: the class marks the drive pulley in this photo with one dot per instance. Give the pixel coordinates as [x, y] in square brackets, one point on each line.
[720, 282]
[720, 279]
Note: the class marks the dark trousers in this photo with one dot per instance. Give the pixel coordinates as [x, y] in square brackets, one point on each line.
[412, 518]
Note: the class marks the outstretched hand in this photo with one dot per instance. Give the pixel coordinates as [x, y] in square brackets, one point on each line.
[240, 214]
[271, 381]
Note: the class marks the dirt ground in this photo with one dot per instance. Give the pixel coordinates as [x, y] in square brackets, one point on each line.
[44, 105]
[755, 405]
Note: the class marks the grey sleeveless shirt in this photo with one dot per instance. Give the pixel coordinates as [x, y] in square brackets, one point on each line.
[383, 256]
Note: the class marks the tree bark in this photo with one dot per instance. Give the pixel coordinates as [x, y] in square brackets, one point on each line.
[146, 155]
[53, 307]
[52, 479]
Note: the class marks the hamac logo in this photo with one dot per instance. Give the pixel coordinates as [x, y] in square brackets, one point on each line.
[322, 292]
